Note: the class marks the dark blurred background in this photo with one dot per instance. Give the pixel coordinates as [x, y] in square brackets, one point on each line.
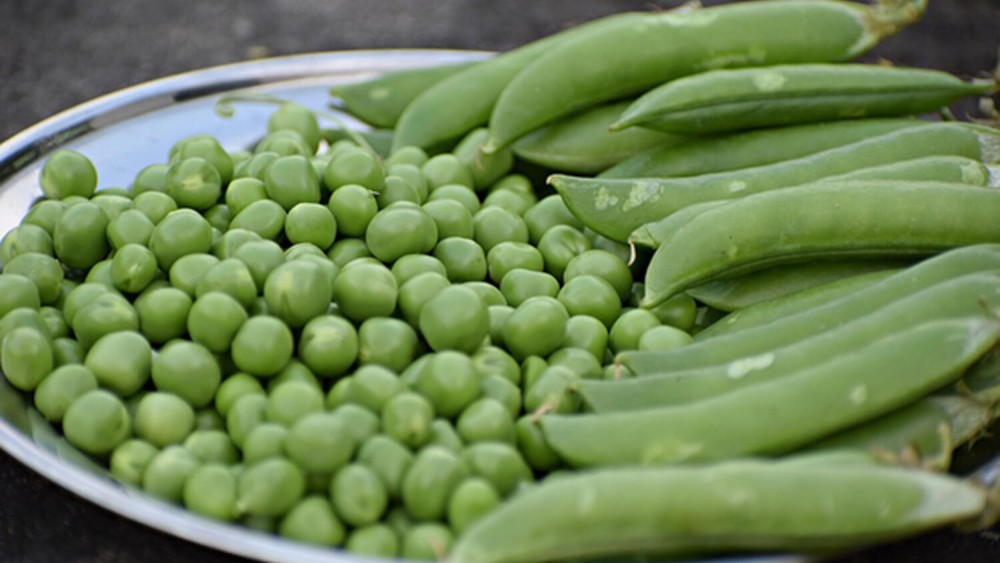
[55, 54]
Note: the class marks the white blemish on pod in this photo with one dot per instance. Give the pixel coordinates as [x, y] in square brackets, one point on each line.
[975, 174]
[769, 81]
[737, 186]
[858, 395]
[604, 199]
[641, 192]
[738, 369]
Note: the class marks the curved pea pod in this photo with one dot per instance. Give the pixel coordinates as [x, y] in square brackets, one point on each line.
[616, 207]
[726, 100]
[632, 56]
[463, 101]
[828, 221]
[581, 143]
[778, 416]
[738, 506]
[780, 307]
[943, 168]
[821, 317]
[380, 101]
[751, 148]
[659, 385]
[733, 294]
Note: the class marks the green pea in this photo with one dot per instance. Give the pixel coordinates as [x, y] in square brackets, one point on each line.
[406, 417]
[214, 320]
[412, 265]
[410, 172]
[245, 414]
[68, 173]
[347, 250]
[511, 255]
[60, 388]
[435, 473]
[487, 292]
[410, 155]
[226, 245]
[412, 371]
[500, 388]
[45, 213]
[205, 147]
[372, 387]
[516, 202]
[354, 166]
[311, 222]
[294, 371]
[101, 273]
[163, 314]
[23, 317]
[387, 342]
[519, 285]
[25, 238]
[397, 189]
[553, 391]
[579, 361]
[400, 230]
[444, 169]
[154, 205]
[358, 495]
[107, 313]
[532, 445]
[463, 259]
[456, 319]
[473, 498]
[232, 388]
[452, 218]
[44, 271]
[335, 396]
[296, 117]
[18, 291]
[270, 487]
[241, 192]
[298, 291]
[498, 318]
[188, 370]
[180, 233]
[56, 322]
[210, 491]
[490, 360]
[67, 351]
[485, 420]
[591, 296]
[130, 227]
[264, 217]
[663, 337]
[548, 213]
[96, 422]
[328, 345]
[679, 311]
[457, 192]
[532, 369]
[377, 540]
[388, 459]
[535, 328]
[416, 292]
[163, 419]
[602, 264]
[291, 180]
[212, 445]
[443, 434]
[129, 460]
[427, 542]
[263, 346]
[365, 291]
[353, 207]
[219, 216]
[194, 182]
[187, 271]
[284, 142]
[449, 382]
[292, 400]
[167, 472]
[263, 441]
[133, 268]
[501, 464]
[313, 521]
[320, 442]
[255, 166]
[360, 422]
[121, 361]
[559, 245]
[261, 258]
[494, 225]
[629, 328]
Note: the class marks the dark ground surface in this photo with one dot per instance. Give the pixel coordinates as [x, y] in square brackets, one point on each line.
[57, 53]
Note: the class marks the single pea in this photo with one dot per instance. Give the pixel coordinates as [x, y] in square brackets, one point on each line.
[407, 417]
[377, 540]
[320, 442]
[60, 388]
[154, 205]
[464, 260]
[188, 370]
[163, 314]
[219, 216]
[491, 360]
[412, 155]
[487, 292]
[553, 391]
[485, 420]
[263, 441]
[387, 342]
[96, 422]
[456, 319]
[284, 142]
[42, 270]
[412, 265]
[180, 233]
[151, 179]
[291, 180]
[358, 495]
[427, 542]
[587, 333]
[664, 337]
[210, 491]
[313, 521]
[547, 213]
[360, 422]
[449, 382]
[365, 291]
[194, 182]
[494, 225]
[396, 189]
[535, 328]
[389, 459]
[296, 117]
[411, 174]
[56, 322]
[45, 213]
[457, 192]
[121, 361]
[68, 173]
[500, 388]
[347, 250]
[311, 222]
[204, 147]
[79, 238]
[167, 472]
[261, 258]
[245, 414]
[328, 345]
[18, 291]
[444, 435]
[101, 273]
[270, 487]
[629, 328]
[591, 296]
[559, 245]
[473, 498]
[263, 346]
[501, 464]
[130, 227]
[291, 401]
[416, 292]
[579, 361]
[25, 238]
[354, 166]
[532, 445]
[214, 320]
[353, 207]
[400, 230]
[514, 201]
[67, 351]
[129, 460]
[163, 419]
[432, 477]
[519, 285]
[511, 255]
[295, 370]
[452, 218]
[187, 271]
[226, 244]
[602, 264]
[264, 217]
[212, 445]
[678, 311]
[255, 166]
[444, 169]
[241, 192]
[335, 396]
[113, 201]
[298, 291]
[372, 387]
[26, 358]
[133, 268]
[232, 388]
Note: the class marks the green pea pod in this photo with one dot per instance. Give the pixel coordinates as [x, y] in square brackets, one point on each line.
[380, 101]
[870, 220]
[582, 144]
[632, 56]
[751, 148]
[463, 101]
[791, 304]
[659, 385]
[733, 294]
[726, 100]
[634, 202]
[955, 169]
[779, 416]
[746, 505]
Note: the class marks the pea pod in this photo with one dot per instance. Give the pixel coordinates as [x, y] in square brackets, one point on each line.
[582, 144]
[751, 148]
[778, 416]
[659, 385]
[746, 505]
[380, 101]
[632, 56]
[634, 202]
[733, 294]
[727, 100]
